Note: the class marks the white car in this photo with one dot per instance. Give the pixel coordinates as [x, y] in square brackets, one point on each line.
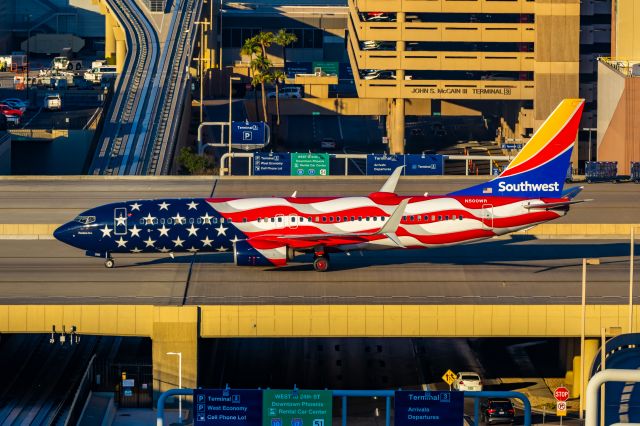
[52, 102]
[468, 381]
[380, 75]
[291, 92]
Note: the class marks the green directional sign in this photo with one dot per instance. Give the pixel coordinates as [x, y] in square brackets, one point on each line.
[329, 68]
[299, 408]
[311, 164]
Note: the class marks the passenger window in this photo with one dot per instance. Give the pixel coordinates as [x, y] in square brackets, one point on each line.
[259, 220]
[191, 220]
[230, 220]
[404, 218]
[345, 219]
[411, 218]
[169, 221]
[272, 220]
[433, 218]
[330, 218]
[280, 219]
[359, 218]
[426, 218]
[353, 218]
[439, 217]
[324, 218]
[460, 217]
[214, 220]
[375, 218]
[199, 221]
[244, 220]
[446, 217]
[337, 218]
[222, 220]
[162, 221]
[317, 219]
[142, 221]
[155, 221]
[367, 218]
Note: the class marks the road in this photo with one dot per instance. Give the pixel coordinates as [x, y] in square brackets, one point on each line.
[57, 200]
[495, 272]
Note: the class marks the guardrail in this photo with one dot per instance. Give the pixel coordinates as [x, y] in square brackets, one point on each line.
[226, 158]
[387, 394]
[82, 393]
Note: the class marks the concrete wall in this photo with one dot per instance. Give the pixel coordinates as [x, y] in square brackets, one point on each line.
[618, 118]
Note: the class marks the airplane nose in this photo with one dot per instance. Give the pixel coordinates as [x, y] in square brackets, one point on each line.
[64, 233]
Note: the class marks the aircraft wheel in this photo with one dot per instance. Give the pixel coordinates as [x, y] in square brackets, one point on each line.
[109, 263]
[321, 264]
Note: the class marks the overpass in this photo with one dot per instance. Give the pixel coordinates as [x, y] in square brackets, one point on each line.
[142, 123]
[528, 286]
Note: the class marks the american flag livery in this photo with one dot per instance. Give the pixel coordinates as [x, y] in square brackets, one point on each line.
[273, 230]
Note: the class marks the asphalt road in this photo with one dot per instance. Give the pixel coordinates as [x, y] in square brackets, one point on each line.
[494, 272]
[59, 200]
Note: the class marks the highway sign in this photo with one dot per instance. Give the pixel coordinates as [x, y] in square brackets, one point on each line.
[248, 135]
[561, 393]
[297, 408]
[383, 164]
[293, 68]
[561, 408]
[271, 163]
[423, 164]
[328, 68]
[449, 377]
[512, 146]
[428, 408]
[309, 164]
[227, 407]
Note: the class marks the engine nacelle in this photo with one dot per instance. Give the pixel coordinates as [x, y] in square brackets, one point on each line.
[245, 255]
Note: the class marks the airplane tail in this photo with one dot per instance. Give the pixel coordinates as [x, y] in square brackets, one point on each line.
[540, 168]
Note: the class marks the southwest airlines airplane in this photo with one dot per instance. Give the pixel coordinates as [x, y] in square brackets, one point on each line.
[273, 230]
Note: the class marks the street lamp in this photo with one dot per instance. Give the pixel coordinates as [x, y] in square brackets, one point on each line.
[204, 24]
[230, 114]
[585, 262]
[631, 259]
[179, 354]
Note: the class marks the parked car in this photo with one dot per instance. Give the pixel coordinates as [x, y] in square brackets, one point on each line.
[380, 75]
[17, 103]
[328, 143]
[498, 411]
[7, 110]
[468, 381]
[52, 101]
[290, 92]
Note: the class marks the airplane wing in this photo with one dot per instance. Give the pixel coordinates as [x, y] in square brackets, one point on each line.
[389, 230]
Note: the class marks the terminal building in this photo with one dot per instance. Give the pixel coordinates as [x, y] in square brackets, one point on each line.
[512, 59]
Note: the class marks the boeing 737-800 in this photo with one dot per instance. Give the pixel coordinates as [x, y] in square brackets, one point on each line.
[273, 230]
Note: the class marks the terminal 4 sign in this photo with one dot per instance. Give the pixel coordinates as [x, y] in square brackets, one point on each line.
[413, 408]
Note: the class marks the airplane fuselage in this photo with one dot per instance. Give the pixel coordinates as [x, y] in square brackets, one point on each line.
[277, 227]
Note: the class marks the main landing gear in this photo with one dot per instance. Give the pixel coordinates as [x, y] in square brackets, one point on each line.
[321, 261]
[109, 262]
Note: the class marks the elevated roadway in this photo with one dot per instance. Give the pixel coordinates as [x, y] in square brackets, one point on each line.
[141, 125]
[54, 200]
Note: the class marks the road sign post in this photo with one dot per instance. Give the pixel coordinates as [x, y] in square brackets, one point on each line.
[449, 377]
[561, 395]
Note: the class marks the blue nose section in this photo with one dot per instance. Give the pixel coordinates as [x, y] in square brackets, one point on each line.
[65, 233]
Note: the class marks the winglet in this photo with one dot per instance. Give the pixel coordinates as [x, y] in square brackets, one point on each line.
[392, 181]
[389, 229]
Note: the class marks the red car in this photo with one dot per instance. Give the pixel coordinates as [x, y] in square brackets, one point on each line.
[7, 110]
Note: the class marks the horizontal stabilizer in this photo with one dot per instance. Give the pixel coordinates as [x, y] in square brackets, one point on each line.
[571, 193]
[547, 206]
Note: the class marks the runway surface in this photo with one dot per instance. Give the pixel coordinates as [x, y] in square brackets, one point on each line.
[59, 200]
[495, 272]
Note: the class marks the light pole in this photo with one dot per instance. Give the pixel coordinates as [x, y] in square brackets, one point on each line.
[179, 354]
[231, 79]
[585, 262]
[28, 55]
[632, 243]
[204, 25]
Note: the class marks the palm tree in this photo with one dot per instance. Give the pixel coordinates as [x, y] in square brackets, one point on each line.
[252, 49]
[278, 76]
[264, 40]
[284, 39]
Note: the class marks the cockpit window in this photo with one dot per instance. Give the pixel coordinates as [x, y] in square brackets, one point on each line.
[85, 220]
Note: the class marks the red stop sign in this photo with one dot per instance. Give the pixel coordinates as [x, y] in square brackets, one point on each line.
[561, 394]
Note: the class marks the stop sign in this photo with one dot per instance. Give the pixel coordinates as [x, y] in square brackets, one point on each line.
[561, 394]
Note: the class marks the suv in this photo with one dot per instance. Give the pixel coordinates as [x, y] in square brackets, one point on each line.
[498, 411]
[52, 101]
[468, 381]
[286, 92]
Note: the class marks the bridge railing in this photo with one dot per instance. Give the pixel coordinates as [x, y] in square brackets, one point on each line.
[387, 394]
[226, 158]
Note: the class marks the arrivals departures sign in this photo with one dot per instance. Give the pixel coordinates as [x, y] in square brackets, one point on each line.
[414, 408]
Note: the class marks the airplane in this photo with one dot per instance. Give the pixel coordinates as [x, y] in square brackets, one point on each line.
[270, 231]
